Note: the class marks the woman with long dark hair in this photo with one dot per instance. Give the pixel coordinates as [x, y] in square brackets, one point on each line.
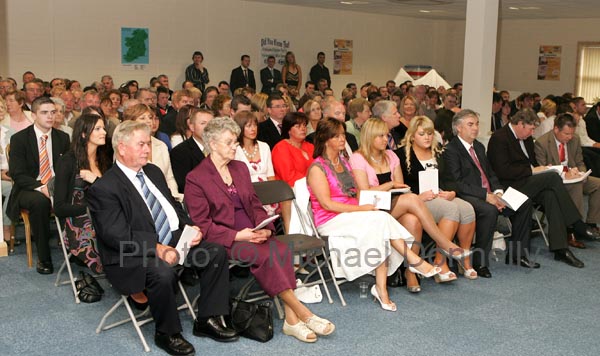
[76, 171]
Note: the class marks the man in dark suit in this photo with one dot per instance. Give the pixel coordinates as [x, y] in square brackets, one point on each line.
[561, 146]
[269, 76]
[242, 76]
[188, 154]
[496, 112]
[319, 71]
[444, 115]
[269, 131]
[592, 121]
[137, 223]
[33, 152]
[512, 156]
[387, 111]
[470, 172]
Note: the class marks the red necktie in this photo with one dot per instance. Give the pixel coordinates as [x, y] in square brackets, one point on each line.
[484, 181]
[45, 172]
[561, 152]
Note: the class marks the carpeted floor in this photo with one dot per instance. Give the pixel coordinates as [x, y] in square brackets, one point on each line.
[550, 311]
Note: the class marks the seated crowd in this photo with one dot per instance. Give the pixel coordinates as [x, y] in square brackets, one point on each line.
[146, 162]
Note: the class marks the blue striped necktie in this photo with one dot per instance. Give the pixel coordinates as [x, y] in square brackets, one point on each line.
[158, 214]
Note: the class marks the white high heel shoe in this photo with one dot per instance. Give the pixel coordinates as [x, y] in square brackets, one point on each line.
[432, 272]
[389, 307]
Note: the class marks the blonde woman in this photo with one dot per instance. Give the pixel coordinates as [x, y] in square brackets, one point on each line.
[420, 150]
[377, 168]
[291, 73]
[259, 106]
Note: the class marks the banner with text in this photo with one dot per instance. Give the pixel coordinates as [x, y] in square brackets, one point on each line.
[275, 47]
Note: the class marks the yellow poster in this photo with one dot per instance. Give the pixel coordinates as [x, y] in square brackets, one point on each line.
[342, 57]
[549, 63]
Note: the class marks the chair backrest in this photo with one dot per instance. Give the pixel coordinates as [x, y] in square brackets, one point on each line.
[301, 220]
[273, 191]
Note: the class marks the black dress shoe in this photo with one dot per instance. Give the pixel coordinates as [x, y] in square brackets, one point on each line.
[483, 271]
[174, 344]
[566, 256]
[137, 305]
[45, 267]
[214, 328]
[588, 234]
[525, 262]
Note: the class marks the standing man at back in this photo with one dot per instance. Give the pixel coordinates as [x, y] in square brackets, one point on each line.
[269, 76]
[242, 76]
[319, 71]
[33, 152]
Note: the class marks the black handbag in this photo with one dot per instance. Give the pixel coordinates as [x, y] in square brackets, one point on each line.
[88, 289]
[252, 320]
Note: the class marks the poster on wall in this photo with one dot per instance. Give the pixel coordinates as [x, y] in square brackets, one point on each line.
[135, 47]
[549, 63]
[342, 57]
[270, 46]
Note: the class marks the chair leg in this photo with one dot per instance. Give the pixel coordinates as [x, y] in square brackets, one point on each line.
[335, 284]
[278, 307]
[25, 217]
[132, 319]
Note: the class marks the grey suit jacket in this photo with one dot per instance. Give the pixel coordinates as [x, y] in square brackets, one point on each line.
[546, 152]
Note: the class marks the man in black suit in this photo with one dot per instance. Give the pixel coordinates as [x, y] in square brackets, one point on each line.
[269, 76]
[269, 131]
[512, 155]
[468, 169]
[180, 99]
[496, 112]
[443, 118]
[319, 71]
[31, 166]
[592, 120]
[242, 76]
[137, 222]
[188, 154]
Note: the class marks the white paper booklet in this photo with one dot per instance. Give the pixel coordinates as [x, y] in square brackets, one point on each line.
[381, 200]
[578, 179]
[558, 169]
[428, 180]
[513, 198]
[266, 222]
[184, 243]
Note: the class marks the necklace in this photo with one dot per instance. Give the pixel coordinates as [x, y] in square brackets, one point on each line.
[251, 155]
[375, 160]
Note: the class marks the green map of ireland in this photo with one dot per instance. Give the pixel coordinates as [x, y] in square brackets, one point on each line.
[134, 45]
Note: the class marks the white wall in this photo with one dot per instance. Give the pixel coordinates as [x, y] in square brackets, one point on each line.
[81, 39]
[517, 58]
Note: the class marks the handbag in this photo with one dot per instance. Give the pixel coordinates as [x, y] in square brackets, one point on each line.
[88, 289]
[252, 320]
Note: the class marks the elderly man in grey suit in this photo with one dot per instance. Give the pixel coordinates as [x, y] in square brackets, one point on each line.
[561, 146]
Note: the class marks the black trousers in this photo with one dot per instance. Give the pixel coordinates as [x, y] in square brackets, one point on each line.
[210, 260]
[39, 215]
[547, 189]
[487, 217]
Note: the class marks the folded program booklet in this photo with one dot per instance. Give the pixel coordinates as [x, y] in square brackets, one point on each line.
[185, 241]
[513, 198]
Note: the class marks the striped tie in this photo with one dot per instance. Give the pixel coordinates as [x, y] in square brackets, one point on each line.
[158, 214]
[45, 171]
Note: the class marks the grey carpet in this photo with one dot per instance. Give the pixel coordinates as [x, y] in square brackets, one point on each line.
[550, 311]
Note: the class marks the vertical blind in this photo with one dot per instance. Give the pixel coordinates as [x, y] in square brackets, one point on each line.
[589, 73]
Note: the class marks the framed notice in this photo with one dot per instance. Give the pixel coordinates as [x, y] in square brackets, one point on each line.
[135, 46]
[549, 63]
[276, 47]
[342, 57]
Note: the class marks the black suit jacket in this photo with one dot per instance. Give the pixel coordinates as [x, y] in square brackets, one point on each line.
[508, 159]
[185, 157]
[24, 163]
[267, 132]
[124, 226]
[237, 79]
[167, 123]
[268, 81]
[461, 172]
[592, 123]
